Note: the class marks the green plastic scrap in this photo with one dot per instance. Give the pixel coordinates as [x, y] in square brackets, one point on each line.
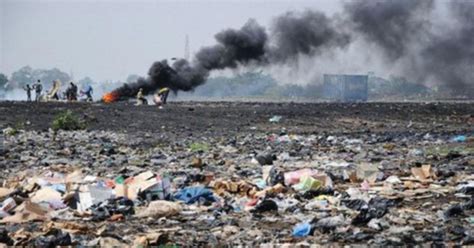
[308, 183]
[119, 180]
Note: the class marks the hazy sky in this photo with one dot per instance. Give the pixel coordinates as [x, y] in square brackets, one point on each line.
[108, 40]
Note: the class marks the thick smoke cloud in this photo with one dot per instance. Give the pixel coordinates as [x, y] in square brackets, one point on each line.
[234, 47]
[392, 25]
[402, 30]
[307, 33]
[449, 56]
[294, 34]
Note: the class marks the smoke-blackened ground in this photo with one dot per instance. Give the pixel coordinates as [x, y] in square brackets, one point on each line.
[228, 118]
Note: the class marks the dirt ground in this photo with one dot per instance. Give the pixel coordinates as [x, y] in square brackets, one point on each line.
[222, 118]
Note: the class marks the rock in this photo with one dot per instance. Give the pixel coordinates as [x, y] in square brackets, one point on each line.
[157, 209]
[375, 224]
[54, 239]
[110, 242]
[265, 158]
[196, 162]
[331, 223]
[455, 210]
[265, 206]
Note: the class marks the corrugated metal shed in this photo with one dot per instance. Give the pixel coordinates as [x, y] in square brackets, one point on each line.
[346, 88]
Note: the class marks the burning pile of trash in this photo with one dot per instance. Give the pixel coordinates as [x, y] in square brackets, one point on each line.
[100, 188]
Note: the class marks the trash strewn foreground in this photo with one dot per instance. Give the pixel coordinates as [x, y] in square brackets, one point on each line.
[258, 183]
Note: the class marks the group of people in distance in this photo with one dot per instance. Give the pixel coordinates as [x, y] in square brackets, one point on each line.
[71, 93]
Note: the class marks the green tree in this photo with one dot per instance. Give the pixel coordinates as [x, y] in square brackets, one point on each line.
[22, 77]
[3, 81]
[27, 75]
[48, 76]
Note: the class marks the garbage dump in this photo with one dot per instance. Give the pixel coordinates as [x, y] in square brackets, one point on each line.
[109, 188]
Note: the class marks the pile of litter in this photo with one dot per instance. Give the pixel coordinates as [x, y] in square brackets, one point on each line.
[101, 188]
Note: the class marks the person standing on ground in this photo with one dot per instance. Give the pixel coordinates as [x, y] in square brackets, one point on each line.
[140, 97]
[38, 88]
[88, 92]
[74, 91]
[53, 93]
[71, 92]
[28, 89]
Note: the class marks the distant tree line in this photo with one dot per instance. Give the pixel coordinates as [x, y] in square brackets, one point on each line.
[396, 87]
[258, 84]
[3, 81]
[28, 75]
[250, 84]
[253, 84]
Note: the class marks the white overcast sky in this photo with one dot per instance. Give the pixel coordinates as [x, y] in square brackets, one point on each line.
[108, 40]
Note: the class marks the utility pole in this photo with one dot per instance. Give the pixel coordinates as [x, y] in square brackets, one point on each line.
[186, 48]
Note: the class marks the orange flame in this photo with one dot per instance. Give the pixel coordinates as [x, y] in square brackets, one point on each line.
[110, 97]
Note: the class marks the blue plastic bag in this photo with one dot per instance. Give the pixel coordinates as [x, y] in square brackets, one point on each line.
[190, 195]
[460, 138]
[302, 230]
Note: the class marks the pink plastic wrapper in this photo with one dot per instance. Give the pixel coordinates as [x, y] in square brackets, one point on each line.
[294, 176]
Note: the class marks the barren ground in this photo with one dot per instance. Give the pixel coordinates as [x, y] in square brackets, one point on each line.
[223, 118]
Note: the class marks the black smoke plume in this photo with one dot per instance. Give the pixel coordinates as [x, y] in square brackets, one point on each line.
[392, 25]
[293, 33]
[234, 47]
[308, 33]
[404, 30]
[401, 29]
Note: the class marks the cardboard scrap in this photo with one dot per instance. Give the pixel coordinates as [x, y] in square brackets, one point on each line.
[160, 208]
[110, 242]
[74, 177]
[139, 186]
[121, 190]
[242, 187]
[46, 194]
[26, 212]
[142, 182]
[278, 188]
[143, 176]
[151, 239]
[21, 236]
[35, 208]
[422, 173]
[4, 192]
[70, 227]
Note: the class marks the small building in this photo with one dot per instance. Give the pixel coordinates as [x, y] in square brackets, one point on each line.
[346, 88]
